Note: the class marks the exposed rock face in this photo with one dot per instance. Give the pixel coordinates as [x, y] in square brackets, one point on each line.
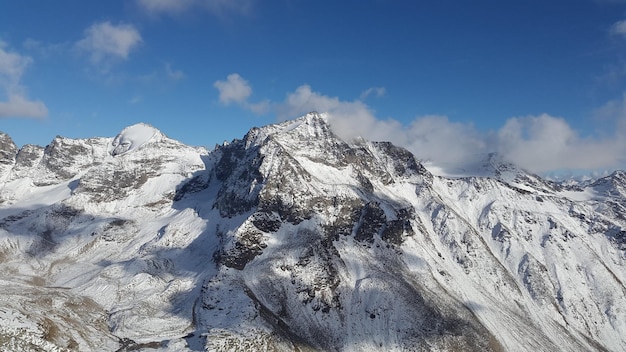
[293, 239]
[63, 159]
[8, 151]
[27, 158]
[612, 186]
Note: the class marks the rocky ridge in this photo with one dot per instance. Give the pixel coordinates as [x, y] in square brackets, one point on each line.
[293, 239]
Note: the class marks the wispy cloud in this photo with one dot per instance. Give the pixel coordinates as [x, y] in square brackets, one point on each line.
[105, 41]
[12, 67]
[173, 74]
[619, 28]
[376, 91]
[163, 76]
[539, 143]
[46, 49]
[135, 100]
[177, 7]
[614, 113]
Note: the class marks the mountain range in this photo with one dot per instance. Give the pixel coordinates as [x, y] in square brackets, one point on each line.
[292, 239]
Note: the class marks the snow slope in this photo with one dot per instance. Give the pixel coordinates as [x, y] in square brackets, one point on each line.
[132, 138]
[293, 239]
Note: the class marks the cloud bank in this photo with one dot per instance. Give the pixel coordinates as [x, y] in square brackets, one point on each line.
[17, 104]
[539, 144]
[430, 138]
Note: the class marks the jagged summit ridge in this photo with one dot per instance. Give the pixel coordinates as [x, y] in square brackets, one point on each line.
[293, 239]
[310, 127]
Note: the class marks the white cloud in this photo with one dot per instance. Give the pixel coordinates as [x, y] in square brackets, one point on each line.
[234, 89]
[177, 7]
[544, 143]
[350, 119]
[237, 90]
[619, 28]
[19, 106]
[104, 41]
[450, 144]
[12, 67]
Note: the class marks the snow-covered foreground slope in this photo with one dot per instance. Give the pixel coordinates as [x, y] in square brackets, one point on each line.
[291, 239]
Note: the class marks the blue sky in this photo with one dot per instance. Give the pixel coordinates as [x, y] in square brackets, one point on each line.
[542, 83]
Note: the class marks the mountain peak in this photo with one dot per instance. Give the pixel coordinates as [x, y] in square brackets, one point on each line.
[8, 149]
[315, 116]
[613, 185]
[312, 126]
[134, 137]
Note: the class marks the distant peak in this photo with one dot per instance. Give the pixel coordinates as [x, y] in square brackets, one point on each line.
[313, 125]
[619, 173]
[133, 137]
[314, 115]
[5, 139]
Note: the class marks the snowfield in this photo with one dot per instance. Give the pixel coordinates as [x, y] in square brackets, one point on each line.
[293, 239]
[132, 138]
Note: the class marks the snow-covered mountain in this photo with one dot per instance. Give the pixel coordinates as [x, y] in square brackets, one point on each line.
[292, 239]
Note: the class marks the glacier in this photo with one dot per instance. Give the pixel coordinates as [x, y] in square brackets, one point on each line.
[294, 239]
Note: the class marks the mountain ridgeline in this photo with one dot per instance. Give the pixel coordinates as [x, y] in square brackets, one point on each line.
[292, 239]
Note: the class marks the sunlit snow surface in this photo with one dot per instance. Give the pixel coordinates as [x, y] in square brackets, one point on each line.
[279, 241]
[133, 137]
